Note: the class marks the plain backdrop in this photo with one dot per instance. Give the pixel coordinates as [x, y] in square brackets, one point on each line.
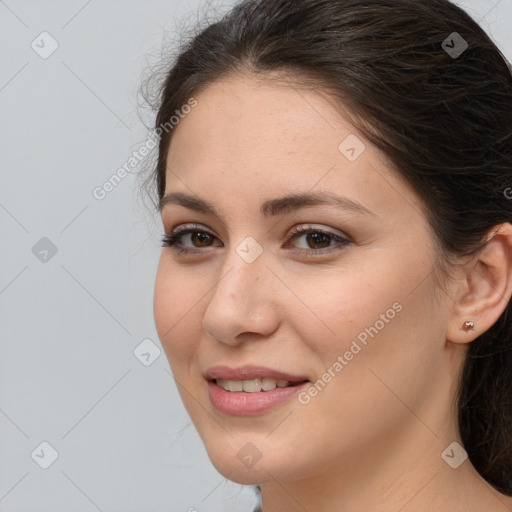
[90, 418]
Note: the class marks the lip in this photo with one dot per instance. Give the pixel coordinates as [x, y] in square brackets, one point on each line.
[240, 403]
[249, 372]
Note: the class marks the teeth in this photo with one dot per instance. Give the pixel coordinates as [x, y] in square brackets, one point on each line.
[268, 384]
[252, 385]
[234, 385]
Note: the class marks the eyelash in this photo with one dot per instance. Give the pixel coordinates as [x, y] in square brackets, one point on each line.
[172, 239]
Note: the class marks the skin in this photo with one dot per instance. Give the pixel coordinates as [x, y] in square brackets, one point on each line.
[372, 438]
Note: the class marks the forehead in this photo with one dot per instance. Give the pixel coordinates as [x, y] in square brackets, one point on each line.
[259, 119]
[258, 138]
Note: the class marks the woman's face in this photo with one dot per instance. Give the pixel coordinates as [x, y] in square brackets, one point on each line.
[358, 315]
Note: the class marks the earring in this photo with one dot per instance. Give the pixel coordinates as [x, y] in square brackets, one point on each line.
[468, 326]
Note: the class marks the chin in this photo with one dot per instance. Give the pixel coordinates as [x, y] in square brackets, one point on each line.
[237, 466]
[247, 477]
[234, 470]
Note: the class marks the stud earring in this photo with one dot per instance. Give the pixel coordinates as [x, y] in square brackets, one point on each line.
[468, 326]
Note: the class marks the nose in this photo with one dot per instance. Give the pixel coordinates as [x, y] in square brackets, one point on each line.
[243, 301]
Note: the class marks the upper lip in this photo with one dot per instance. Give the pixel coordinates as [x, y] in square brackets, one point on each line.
[249, 372]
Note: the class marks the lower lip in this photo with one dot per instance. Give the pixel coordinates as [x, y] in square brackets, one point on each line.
[240, 403]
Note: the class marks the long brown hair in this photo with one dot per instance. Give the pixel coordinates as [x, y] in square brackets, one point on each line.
[441, 112]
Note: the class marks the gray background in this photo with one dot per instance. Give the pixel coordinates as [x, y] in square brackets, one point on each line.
[71, 321]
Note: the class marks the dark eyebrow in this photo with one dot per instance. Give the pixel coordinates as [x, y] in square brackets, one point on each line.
[271, 207]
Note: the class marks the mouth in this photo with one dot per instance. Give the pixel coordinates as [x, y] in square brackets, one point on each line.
[252, 378]
[251, 390]
[256, 385]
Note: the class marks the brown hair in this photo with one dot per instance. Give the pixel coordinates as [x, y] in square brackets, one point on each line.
[444, 120]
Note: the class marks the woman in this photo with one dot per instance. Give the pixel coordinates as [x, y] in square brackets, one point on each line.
[334, 292]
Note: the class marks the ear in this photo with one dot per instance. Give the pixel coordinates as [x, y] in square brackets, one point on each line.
[485, 289]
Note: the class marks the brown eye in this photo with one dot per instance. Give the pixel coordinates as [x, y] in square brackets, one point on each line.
[317, 239]
[198, 237]
[202, 237]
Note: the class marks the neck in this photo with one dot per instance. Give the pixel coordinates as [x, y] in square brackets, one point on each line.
[402, 471]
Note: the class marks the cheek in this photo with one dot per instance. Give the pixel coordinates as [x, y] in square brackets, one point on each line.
[356, 321]
[333, 308]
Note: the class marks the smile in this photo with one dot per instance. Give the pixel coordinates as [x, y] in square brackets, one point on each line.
[254, 401]
[254, 385]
